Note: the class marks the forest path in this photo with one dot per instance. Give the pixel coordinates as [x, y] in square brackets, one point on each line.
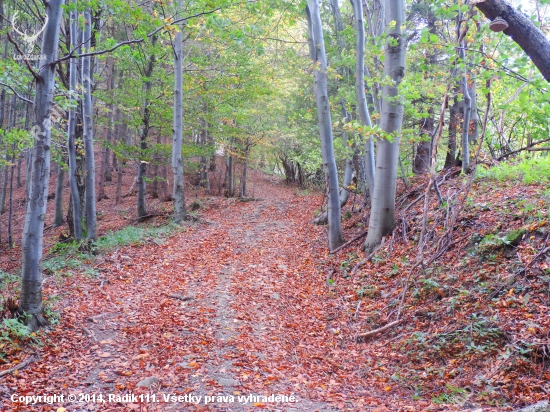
[256, 322]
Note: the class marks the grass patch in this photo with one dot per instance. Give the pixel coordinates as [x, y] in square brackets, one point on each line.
[527, 169]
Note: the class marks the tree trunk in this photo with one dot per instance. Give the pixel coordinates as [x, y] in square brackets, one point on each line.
[105, 173]
[58, 219]
[75, 224]
[11, 125]
[18, 176]
[317, 51]
[91, 218]
[382, 218]
[348, 173]
[522, 30]
[360, 93]
[31, 272]
[10, 215]
[467, 105]
[142, 166]
[421, 163]
[245, 168]
[165, 195]
[454, 120]
[229, 177]
[177, 160]
[204, 166]
[473, 132]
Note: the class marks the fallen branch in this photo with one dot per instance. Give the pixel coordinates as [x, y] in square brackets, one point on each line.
[356, 238]
[380, 330]
[17, 367]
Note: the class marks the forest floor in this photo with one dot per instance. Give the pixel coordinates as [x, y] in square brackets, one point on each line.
[247, 301]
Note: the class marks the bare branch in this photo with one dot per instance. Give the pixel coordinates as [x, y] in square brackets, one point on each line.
[17, 94]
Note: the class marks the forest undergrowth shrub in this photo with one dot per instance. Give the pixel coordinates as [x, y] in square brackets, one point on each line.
[527, 169]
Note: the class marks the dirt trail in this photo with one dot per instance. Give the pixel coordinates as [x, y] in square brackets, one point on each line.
[237, 305]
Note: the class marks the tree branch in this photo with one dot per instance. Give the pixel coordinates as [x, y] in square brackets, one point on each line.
[134, 41]
[17, 94]
[522, 30]
[528, 147]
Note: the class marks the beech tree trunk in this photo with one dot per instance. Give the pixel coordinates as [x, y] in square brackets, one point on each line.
[10, 214]
[142, 165]
[297, 172]
[229, 176]
[58, 219]
[382, 217]
[177, 161]
[91, 218]
[317, 51]
[31, 273]
[105, 173]
[75, 210]
[360, 92]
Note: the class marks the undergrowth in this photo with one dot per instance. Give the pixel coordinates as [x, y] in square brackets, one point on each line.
[527, 169]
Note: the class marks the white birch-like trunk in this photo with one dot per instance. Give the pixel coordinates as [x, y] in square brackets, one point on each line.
[177, 161]
[73, 168]
[32, 244]
[91, 218]
[382, 218]
[360, 92]
[317, 50]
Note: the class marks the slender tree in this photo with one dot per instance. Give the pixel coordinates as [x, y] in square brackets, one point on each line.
[382, 218]
[91, 218]
[177, 161]
[31, 274]
[360, 92]
[318, 55]
[73, 167]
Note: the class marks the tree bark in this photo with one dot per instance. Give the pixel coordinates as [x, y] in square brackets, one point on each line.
[177, 160]
[10, 214]
[31, 273]
[105, 173]
[382, 218]
[522, 30]
[91, 218]
[229, 177]
[454, 120]
[142, 165]
[317, 51]
[421, 163]
[245, 169]
[360, 93]
[75, 211]
[467, 106]
[58, 219]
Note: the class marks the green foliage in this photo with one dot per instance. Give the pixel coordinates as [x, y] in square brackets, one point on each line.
[451, 396]
[528, 169]
[12, 328]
